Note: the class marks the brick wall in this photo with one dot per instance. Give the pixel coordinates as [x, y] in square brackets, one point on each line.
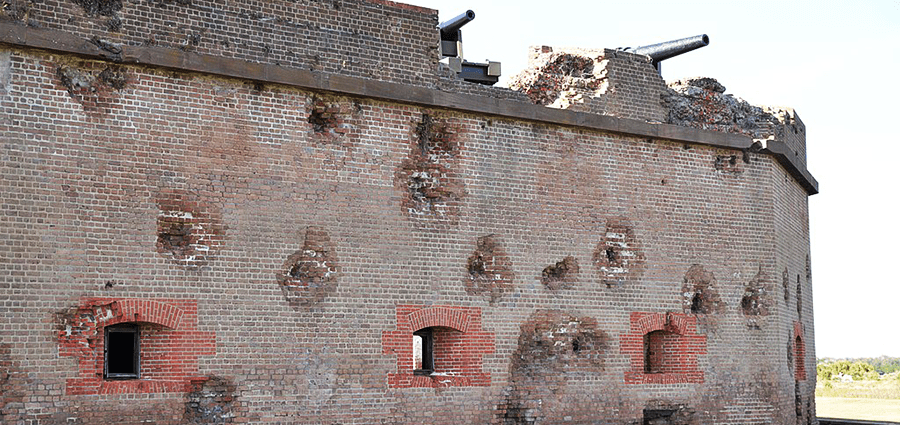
[304, 235]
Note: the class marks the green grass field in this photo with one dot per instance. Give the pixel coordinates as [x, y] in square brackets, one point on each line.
[865, 400]
[871, 409]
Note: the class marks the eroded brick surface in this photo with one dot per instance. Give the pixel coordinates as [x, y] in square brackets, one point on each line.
[95, 86]
[310, 274]
[555, 349]
[701, 295]
[757, 298]
[561, 275]
[489, 270]
[431, 187]
[187, 231]
[618, 256]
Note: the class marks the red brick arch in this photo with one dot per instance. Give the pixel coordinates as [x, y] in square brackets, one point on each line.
[445, 317]
[467, 342]
[142, 311]
[171, 350]
[684, 343]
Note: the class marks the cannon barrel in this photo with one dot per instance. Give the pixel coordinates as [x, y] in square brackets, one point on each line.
[665, 50]
[450, 29]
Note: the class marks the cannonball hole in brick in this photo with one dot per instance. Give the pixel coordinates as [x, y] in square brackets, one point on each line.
[121, 352]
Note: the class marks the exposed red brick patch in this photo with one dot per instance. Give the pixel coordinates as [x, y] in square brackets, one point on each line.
[489, 269]
[799, 348]
[459, 346]
[674, 337]
[310, 274]
[427, 177]
[170, 344]
[187, 231]
[618, 256]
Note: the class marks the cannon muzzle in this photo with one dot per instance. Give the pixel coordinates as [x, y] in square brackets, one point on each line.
[665, 50]
[450, 29]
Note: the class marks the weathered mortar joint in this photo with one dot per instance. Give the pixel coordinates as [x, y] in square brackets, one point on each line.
[618, 257]
[310, 274]
[699, 292]
[489, 270]
[562, 275]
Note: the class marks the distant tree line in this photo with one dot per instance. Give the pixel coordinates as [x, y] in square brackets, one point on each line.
[858, 368]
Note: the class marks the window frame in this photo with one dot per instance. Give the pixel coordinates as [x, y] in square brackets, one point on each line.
[136, 360]
[427, 335]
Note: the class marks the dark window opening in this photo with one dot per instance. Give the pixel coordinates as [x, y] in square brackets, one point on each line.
[654, 351]
[423, 352]
[121, 352]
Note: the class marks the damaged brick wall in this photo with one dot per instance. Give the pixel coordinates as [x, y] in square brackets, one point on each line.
[702, 103]
[555, 350]
[432, 189]
[618, 256]
[95, 86]
[97, 209]
[188, 232]
[211, 401]
[757, 299]
[13, 386]
[561, 275]
[601, 81]
[700, 292]
[347, 37]
[170, 345]
[489, 269]
[311, 273]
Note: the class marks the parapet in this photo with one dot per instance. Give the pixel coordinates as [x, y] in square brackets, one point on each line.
[600, 81]
[626, 85]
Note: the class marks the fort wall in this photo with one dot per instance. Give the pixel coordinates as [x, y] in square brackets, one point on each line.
[278, 229]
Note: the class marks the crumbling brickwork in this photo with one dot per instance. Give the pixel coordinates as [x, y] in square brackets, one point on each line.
[274, 200]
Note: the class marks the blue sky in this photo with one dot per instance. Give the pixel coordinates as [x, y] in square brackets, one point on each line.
[834, 62]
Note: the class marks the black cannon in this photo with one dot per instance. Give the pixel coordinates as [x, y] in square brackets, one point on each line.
[665, 50]
[451, 47]
[451, 36]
